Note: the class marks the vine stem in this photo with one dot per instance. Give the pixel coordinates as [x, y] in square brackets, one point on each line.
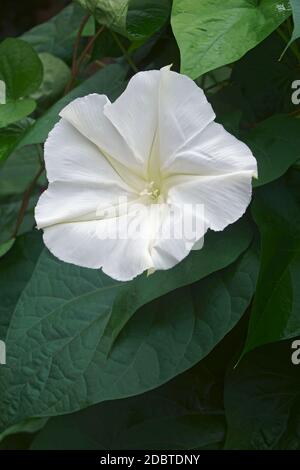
[75, 53]
[25, 200]
[89, 46]
[76, 62]
[125, 53]
[77, 42]
[295, 113]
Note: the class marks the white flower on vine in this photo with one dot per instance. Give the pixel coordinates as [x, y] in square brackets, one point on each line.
[124, 177]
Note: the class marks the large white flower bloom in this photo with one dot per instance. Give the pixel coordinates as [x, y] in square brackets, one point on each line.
[157, 145]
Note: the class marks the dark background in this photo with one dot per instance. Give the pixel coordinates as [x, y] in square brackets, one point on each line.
[17, 16]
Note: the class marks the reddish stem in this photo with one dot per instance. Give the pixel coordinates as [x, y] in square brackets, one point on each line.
[25, 201]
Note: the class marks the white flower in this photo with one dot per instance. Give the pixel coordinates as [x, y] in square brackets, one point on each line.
[157, 145]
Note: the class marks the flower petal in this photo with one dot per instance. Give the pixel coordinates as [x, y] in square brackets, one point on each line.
[178, 231]
[96, 244]
[69, 156]
[126, 246]
[70, 201]
[211, 152]
[225, 197]
[183, 112]
[87, 116]
[135, 113]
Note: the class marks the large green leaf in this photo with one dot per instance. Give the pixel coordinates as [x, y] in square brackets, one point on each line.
[15, 271]
[109, 81]
[262, 401]
[55, 78]
[20, 68]
[57, 35]
[275, 313]
[296, 17]
[215, 33]
[183, 414]
[70, 342]
[275, 144]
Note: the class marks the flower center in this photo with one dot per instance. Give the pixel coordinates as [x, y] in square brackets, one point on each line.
[151, 190]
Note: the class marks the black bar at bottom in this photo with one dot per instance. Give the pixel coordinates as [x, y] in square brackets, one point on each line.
[137, 459]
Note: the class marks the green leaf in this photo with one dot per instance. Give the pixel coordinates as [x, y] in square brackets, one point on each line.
[15, 111]
[16, 268]
[79, 347]
[182, 414]
[20, 68]
[55, 78]
[186, 431]
[107, 46]
[15, 271]
[296, 18]
[10, 136]
[20, 441]
[15, 438]
[275, 144]
[109, 81]
[264, 81]
[275, 312]
[148, 420]
[6, 246]
[135, 19]
[89, 27]
[19, 170]
[215, 33]
[57, 35]
[262, 401]
[9, 209]
[111, 13]
[145, 17]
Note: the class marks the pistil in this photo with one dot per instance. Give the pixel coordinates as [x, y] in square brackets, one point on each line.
[151, 190]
